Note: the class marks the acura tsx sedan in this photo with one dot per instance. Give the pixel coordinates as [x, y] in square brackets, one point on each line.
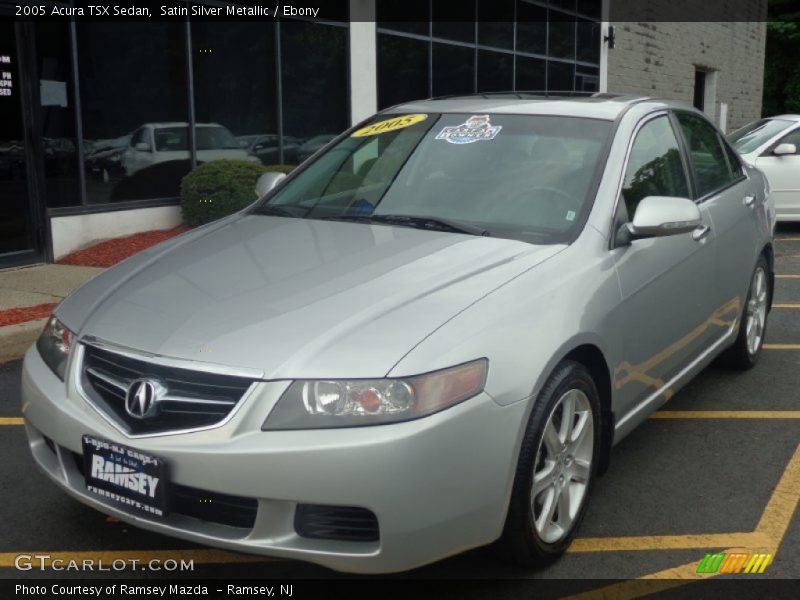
[426, 339]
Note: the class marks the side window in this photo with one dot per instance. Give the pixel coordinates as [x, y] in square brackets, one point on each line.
[708, 159]
[792, 138]
[654, 167]
[734, 161]
[138, 137]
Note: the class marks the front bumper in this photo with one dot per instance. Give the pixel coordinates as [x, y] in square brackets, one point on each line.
[438, 485]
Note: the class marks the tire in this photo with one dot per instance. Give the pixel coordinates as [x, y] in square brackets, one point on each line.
[529, 538]
[746, 350]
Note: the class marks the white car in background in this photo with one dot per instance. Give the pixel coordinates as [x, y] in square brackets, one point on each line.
[155, 143]
[773, 145]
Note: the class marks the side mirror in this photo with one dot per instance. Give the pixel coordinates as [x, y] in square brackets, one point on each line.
[268, 181]
[142, 147]
[784, 149]
[658, 216]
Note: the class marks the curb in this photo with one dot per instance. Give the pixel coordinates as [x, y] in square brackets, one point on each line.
[16, 339]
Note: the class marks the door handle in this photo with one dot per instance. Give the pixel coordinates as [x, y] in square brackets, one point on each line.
[701, 232]
[749, 201]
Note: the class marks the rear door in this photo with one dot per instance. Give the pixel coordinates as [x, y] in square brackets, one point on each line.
[783, 173]
[731, 199]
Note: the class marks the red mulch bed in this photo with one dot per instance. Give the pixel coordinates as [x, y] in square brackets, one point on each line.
[110, 252]
[13, 316]
[104, 254]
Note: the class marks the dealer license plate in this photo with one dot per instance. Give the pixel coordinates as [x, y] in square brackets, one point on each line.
[125, 476]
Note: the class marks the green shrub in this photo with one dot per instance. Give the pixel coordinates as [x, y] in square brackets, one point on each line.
[219, 188]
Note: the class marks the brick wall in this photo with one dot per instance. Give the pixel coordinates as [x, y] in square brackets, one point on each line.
[659, 59]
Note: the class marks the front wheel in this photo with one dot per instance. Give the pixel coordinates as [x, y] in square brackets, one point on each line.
[556, 467]
[746, 349]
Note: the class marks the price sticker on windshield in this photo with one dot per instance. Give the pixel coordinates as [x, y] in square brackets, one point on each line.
[387, 125]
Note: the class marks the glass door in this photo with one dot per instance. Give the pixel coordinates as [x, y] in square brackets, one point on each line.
[19, 233]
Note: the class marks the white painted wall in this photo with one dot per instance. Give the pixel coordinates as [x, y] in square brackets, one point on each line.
[77, 231]
[723, 117]
[363, 61]
[710, 95]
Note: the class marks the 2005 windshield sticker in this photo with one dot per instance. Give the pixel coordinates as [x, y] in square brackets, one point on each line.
[387, 125]
[475, 129]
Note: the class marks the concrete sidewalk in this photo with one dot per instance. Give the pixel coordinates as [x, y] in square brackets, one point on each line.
[34, 286]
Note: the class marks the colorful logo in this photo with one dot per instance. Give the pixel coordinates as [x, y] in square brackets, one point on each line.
[734, 563]
[476, 129]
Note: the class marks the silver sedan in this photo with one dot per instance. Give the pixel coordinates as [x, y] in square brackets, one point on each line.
[426, 339]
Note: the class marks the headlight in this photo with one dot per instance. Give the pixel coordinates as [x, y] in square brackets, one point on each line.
[315, 404]
[55, 345]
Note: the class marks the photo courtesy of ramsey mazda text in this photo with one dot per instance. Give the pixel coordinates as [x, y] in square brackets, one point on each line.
[425, 339]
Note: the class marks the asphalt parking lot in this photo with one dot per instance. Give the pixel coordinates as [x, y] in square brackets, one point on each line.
[717, 469]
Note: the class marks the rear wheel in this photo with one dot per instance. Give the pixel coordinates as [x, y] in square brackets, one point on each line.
[556, 468]
[746, 349]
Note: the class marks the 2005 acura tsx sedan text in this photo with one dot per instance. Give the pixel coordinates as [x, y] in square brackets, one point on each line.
[426, 339]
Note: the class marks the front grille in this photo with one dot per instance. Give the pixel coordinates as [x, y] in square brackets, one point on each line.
[234, 511]
[344, 523]
[193, 399]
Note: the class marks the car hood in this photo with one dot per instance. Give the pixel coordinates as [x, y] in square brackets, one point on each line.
[295, 298]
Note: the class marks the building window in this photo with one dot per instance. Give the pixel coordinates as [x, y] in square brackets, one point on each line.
[235, 91]
[495, 45]
[57, 115]
[496, 23]
[495, 71]
[456, 68]
[123, 92]
[403, 69]
[314, 72]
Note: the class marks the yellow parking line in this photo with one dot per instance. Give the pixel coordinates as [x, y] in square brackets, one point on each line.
[199, 556]
[786, 306]
[726, 414]
[767, 538]
[781, 346]
[665, 542]
[787, 239]
[787, 276]
[12, 421]
[781, 506]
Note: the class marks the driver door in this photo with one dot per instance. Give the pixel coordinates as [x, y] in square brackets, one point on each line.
[666, 282]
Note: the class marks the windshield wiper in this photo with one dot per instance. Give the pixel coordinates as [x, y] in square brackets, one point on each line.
[435, 223]
[417, 222]
[274, 209]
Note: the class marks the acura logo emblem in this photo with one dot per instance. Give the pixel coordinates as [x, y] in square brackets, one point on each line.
[142, 398]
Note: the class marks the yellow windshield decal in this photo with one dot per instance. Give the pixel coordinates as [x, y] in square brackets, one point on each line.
[389, 125]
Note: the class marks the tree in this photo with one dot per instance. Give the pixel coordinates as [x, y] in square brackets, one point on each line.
[781, 67]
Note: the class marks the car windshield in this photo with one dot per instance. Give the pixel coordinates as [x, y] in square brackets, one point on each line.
[515, 176]
[207, 138]
[751, 136]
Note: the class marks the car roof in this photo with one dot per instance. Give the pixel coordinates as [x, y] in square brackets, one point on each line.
[785, 117]
[597, 106]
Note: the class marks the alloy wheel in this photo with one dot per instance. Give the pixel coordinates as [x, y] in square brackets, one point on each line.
[756, 314]
[563, 466]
